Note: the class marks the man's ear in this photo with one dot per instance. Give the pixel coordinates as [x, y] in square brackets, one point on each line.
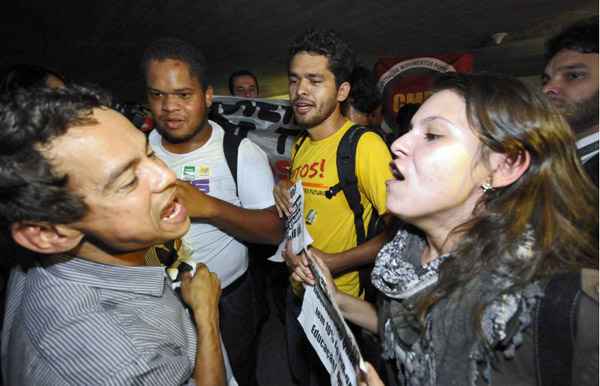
[343, 91]
[507, 170]
[208, 96]
[45, 238]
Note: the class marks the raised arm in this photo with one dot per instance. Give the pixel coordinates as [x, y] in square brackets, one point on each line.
[254, 225]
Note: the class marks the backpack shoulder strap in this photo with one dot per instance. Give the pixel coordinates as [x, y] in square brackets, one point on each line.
[231, 146]
[348, 182]
[298, 144]
[301, 138]
[555, 329]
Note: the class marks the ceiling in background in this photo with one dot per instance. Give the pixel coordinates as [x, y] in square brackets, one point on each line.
[102, 41]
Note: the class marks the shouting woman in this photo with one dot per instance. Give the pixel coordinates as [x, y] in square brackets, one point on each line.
[499, 210]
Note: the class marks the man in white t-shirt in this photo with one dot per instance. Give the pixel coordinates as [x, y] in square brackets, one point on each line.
[223, 213]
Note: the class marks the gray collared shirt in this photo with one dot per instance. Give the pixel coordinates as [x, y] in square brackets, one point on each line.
[75, 322]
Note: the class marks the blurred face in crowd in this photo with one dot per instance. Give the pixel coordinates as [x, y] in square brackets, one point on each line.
[131, 197]
[438, 170]
[356, 116]
[177, 100]
[54, 82]
[571, 82]
[313, 92]
[245, 86]
[375, 118]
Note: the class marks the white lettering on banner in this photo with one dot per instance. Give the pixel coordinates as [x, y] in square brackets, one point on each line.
[296, 229]
[328, 332]
[257, 112]
[433, 64]
[269, 122]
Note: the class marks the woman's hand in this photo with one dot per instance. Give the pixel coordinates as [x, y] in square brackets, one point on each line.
[329, 282]
[297, 264]
[371, 378]
[302, 273]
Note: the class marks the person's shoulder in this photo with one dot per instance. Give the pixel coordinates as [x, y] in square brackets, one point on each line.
[81, 342]
[372, 138]
[216, 129]
[154, 138]
[75, 330]
[249, 148]
[372, 147]
[51, 304]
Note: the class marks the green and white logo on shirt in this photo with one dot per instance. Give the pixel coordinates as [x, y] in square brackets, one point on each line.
[188, 172]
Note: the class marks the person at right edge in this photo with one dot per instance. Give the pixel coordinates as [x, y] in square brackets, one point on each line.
[495, 281]
[320, 66]
[570, 81]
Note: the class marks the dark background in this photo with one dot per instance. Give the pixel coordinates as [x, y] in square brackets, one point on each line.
[102, 41]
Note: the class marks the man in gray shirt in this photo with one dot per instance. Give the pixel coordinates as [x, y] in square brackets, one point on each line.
[84, 198]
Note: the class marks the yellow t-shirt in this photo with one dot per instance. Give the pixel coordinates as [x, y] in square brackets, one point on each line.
[330, 222]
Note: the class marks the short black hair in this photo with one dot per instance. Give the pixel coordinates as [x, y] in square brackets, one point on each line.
[364, 95]
[177, 49]
[26, 76]
[241, 73]
[404, 117]
[30, 119]
[581, 37]
[340, 55]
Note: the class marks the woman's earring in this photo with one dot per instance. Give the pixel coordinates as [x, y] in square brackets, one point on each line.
[487, 187]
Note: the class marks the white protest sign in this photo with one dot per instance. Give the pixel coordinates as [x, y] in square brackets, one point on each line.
[328, 333]
[296, 229]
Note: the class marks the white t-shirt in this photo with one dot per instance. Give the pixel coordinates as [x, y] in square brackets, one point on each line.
[207, 169]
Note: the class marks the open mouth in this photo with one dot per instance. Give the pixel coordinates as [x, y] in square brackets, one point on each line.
[396, 172]
[172, 210]
[173, 123]
[302, 106]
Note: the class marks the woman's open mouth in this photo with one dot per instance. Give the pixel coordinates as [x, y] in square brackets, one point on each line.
[396, 172]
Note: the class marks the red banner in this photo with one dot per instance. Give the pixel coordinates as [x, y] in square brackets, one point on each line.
[408, 81]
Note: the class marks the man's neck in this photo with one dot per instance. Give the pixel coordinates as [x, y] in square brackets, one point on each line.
[91, 252]
[190, 145]
[328, 127]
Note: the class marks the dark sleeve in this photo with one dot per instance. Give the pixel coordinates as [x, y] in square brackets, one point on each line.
[585, 351]
[591, 168]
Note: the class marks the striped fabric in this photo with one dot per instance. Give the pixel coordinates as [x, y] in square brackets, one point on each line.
[75, 322]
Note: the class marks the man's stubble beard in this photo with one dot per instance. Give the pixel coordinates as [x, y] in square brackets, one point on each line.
[581, 116]
[318, 118]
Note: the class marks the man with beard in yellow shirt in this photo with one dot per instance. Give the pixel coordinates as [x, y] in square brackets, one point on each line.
[319, 71]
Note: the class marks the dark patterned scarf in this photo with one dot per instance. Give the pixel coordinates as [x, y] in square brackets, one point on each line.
[448, 350]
